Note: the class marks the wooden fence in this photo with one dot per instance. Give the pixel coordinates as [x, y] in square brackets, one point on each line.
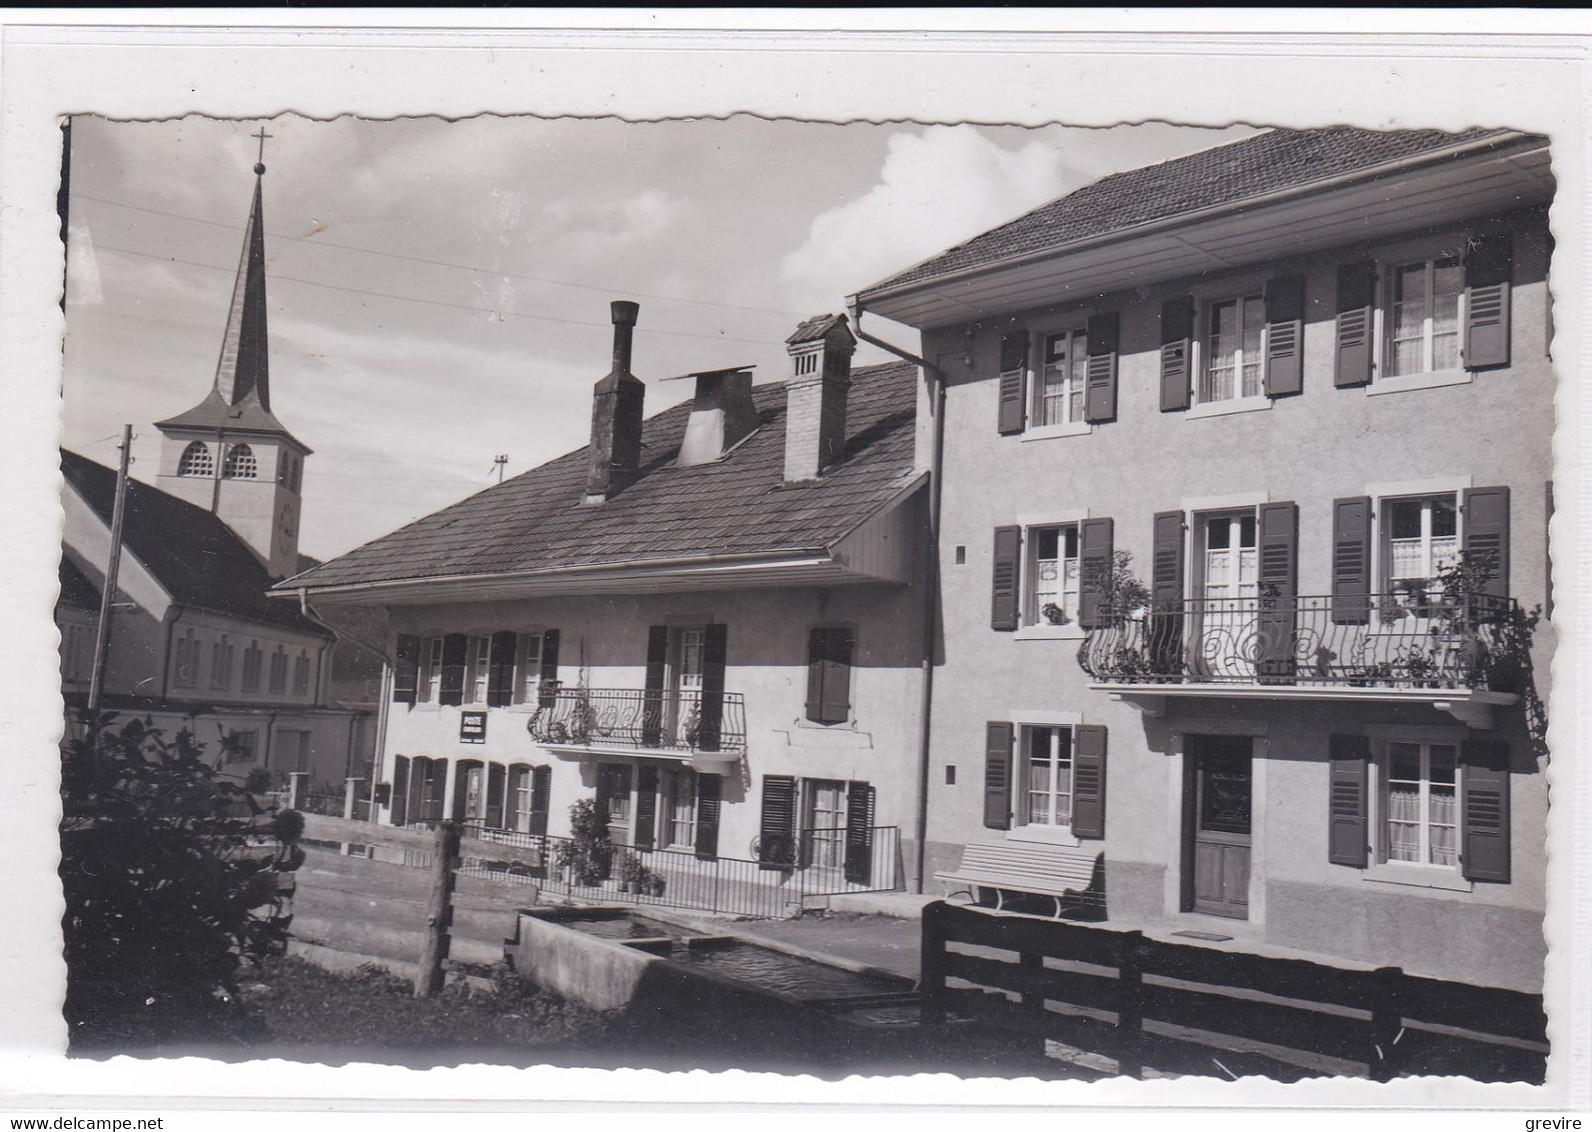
[1122, 1003]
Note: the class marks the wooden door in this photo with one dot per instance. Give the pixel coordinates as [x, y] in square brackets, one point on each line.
[1220, 783]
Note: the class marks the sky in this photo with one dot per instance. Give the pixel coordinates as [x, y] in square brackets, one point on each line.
[438, 291]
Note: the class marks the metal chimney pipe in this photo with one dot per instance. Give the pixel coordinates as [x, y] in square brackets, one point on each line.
[624, 316]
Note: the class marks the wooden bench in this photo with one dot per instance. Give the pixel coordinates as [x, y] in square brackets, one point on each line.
[1013, 867]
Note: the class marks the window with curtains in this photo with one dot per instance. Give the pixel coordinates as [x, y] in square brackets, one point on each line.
[478, 668]
[528, 668]
[677, 812]
[1419, 802]
[1424, 315]
[1053, 576]
[1045, 777]
[1064, 366]
[1234, 349]
[824, 818]
[1420, 539]
[429, 688]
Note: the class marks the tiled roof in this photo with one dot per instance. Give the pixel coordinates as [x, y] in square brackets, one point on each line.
[193, 554]
[740, 504]
[77, 592]
[815, 328]
[1229, 174]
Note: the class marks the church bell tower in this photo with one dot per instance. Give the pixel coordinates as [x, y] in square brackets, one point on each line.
[229, 454]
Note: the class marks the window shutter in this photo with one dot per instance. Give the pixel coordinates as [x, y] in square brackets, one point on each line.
[1348, 821]
[710, 788]
[715, 639]
[1089, 781]
[1003, 590]
[829, 660]
[1484, 811]
[776, 842]
[496, 795]
[400, 791]
[1285, 335]
[1351, 561]
[541, 801]
[548, 696]
[657, 664]
[1100, 382]
[817, 653]
[1177, 352]
[998, 775]
[1487, 535]
[1356, 324]
[500, 676]
[405, 669]
[1487, 271]
[1013, 381]
[1278, 542]
[859, 833]
[1094, 572]
[454, 648]
[1166, 593]
[646, 805]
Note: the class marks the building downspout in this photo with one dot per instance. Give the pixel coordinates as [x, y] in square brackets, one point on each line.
[931, 591]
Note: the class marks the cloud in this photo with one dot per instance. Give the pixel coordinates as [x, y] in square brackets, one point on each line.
[936, 188]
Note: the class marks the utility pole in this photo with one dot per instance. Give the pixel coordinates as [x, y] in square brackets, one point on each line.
[112, 568]
[501, 462]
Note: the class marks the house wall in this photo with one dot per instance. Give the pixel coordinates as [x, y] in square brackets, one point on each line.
[1312, 448]
[603, 644]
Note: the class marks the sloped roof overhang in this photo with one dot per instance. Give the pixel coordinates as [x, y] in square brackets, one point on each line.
[1440, 187]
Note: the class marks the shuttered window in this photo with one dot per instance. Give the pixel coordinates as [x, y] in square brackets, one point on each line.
[776, 839]
[652, 716]
[998, 775]
[646, 805]
[860, 799]
[715, 643]
[1356, 324]
[1089, 781]
[1063, 377]
[709, 796]
[547, 696]
[455, 648]
[1004, 604]
[1233, 350]
[1425, 301]
[1177, 352]
[1348, 831]
[1488, 267]
[1351, 561]
[1095, 559]
[1420, 810]
[1485, 811]
[1486, 513]
[830, 651]
[406, 669]
[1100, 398]
[1285, 335]
[1013, 384]
[1278, 539]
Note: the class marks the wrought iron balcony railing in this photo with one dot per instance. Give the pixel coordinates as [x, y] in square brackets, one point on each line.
[1380, 640]
[685, 721]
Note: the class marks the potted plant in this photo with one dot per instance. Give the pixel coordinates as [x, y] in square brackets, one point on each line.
[631, 873]
[1054, 614]
[652, 883]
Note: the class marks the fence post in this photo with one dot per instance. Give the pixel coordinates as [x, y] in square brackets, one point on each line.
[298, 790]
[1130, 1005]
[931, 978]
[354, 790]
[445, 850]
[1387, 1019]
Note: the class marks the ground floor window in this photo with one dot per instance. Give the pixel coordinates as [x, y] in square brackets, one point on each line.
[1045, 789]
[824, 819]
[1420, 804]
[678, 809]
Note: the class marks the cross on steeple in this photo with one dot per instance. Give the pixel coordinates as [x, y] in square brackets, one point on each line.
[259, 162]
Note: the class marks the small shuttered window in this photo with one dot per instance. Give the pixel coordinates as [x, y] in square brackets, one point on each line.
[1488, 267]
[1177, 352]
[830, 653]
[1356, 324]
[998, 737]
[1095, 556]
[1285, 335]
[1089, 781]
[1005, 612]
[1100, 397]
[1013, 386]
[1348, 829]
[406, 669]
[776, 840]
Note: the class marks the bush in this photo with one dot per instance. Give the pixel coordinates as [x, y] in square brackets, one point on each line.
[167, 890]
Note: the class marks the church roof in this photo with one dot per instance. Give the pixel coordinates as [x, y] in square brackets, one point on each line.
[77, 592]
[240, 399]
[738, 505]
[194, 556]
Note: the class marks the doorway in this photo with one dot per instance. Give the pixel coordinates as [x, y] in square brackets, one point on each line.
[1217, 798]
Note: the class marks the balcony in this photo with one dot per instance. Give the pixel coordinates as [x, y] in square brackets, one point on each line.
[1460, 655]
[705, 729]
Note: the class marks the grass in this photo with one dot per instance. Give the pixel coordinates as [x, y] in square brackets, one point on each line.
[288, 1007]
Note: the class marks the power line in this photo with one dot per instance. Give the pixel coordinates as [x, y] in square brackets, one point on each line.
[436, 302]
[440, 263]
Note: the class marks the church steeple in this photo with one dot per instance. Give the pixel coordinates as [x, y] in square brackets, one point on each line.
[229, 453]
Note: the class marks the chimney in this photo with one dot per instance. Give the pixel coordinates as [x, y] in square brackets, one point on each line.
[722, 415]
[815, 395]
[616, 416]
